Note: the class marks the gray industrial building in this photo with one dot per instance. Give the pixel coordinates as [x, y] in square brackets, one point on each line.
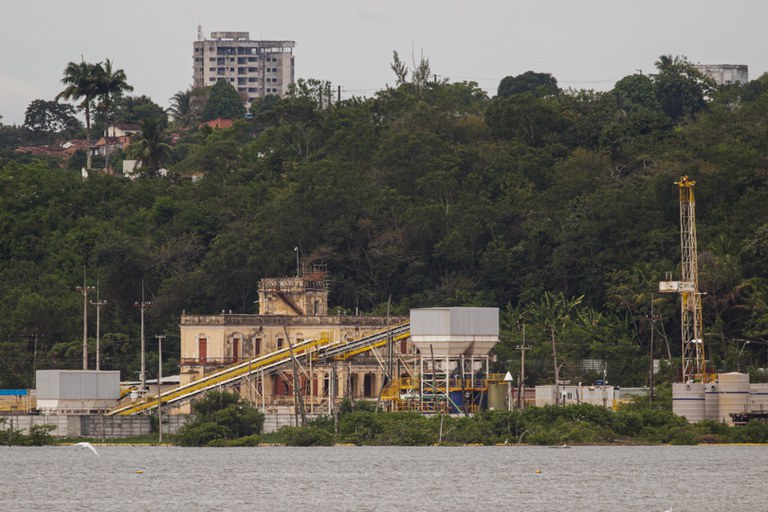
[255, 68]
[77, 391]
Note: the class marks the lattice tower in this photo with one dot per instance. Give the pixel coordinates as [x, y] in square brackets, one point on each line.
[694, 362]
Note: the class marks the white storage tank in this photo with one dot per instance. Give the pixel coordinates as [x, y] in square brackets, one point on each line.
[733, 393]
[455, 331]
[712, 401]
[77, 391]
[758, 397]
[688, 401]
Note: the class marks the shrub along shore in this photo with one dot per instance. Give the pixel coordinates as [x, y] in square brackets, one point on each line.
[223, 419]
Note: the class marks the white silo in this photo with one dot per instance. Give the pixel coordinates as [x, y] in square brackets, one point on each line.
[733, 395]
[688, 400]
[758, 397]
[455, 331]
[454, 343]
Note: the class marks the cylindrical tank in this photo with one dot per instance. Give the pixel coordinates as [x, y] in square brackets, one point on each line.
[688, 401]
[758, 397]
[733, 393]
[456, 402]
[497, 395]
[711, 401]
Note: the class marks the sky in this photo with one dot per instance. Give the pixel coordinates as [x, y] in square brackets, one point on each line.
[585, 44]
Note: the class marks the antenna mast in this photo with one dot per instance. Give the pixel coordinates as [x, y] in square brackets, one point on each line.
[694, 361]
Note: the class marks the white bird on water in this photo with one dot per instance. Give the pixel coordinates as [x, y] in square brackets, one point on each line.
[89, 446]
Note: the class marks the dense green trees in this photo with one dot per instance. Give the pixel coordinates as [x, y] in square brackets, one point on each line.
[574, 424]
[538, 84]
[434, 194]
[51, 118]
[680, 88]
[187, 107]
[150, 147]
[220, 415]
[224, 102]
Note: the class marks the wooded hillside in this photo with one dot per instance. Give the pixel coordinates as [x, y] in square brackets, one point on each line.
[558, 206]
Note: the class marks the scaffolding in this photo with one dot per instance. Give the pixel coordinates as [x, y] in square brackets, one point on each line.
[447, 384]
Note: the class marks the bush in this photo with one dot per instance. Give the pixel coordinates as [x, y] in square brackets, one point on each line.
[307, 436]
[359, 427]
[406, 429]
[682, 436]
[752, 432]
[254, 440]
[201, 434]
[322, 422]
[40, 435]
[220, 415]
[543, 436]
[464, 430]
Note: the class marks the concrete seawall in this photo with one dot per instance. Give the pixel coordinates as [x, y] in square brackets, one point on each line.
[113, 427]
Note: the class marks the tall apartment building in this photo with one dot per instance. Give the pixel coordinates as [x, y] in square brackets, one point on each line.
[254, 68]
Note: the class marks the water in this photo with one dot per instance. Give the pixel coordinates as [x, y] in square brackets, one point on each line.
[697, 478]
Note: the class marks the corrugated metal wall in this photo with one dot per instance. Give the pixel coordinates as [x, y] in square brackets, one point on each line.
[77, 385]
[455, 321]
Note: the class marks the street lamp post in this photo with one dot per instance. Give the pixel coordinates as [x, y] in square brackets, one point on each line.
[746, 342]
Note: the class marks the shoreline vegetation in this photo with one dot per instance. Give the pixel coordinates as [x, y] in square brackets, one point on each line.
[223, 419]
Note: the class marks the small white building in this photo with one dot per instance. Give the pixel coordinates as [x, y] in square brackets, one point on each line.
[602, 395]
[77, 391]
[724, 74]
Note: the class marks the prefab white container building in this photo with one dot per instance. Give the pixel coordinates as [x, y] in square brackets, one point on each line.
[77, 391]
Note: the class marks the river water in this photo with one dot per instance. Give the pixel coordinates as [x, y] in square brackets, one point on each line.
[531, 479]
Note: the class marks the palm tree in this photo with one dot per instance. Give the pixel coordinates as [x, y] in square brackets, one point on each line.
[112, 83]
[553, 313]
[181, 108]
[150, 149]
[82, 81]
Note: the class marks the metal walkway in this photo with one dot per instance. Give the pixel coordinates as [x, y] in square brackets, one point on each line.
[321, 349]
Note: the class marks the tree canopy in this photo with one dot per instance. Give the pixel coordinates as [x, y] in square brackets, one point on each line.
[538, 84]
[223, 102]
[433, 195]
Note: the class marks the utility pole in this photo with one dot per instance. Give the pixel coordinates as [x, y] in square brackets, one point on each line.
[84, 290]
[522, 348]
[143, 305]
[159, 379]
[298, 404]
[296, 249]
[98, 303]
[34, 359]
[652, 318]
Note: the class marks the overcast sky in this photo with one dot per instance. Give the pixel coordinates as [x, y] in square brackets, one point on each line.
[584, 43]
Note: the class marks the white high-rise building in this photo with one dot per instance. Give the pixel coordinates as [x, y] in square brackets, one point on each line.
[255, 68]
